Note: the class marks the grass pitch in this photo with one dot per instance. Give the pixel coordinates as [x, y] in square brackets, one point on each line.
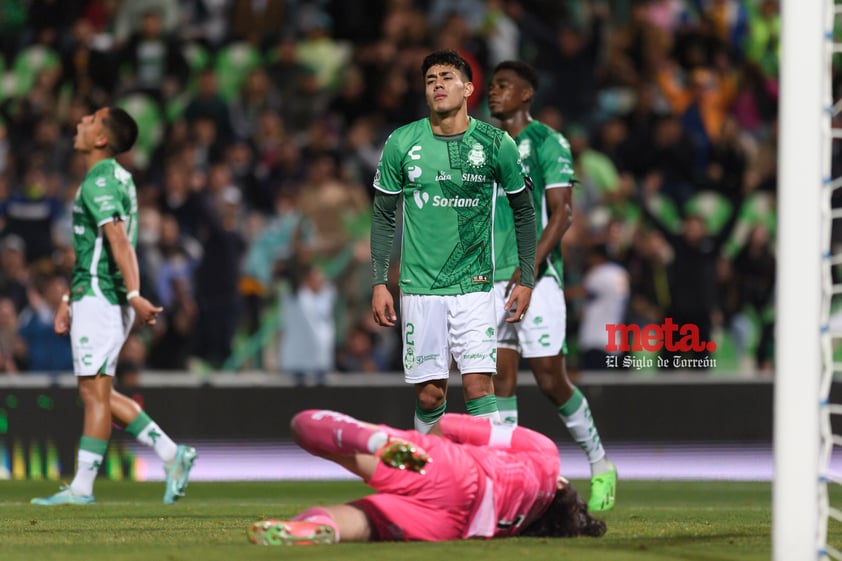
[653, 521]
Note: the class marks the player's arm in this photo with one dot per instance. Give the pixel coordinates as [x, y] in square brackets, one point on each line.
[557, 168]
[525, 233]
[124, 256]
[387, 184]
[382, 237]
[520, 294]
[480, 431]
[518, 188]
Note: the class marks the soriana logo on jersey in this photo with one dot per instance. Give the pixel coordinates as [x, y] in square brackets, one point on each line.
[683, 341]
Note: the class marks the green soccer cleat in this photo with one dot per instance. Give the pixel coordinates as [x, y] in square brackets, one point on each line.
[178, 473]
[400, 454]
[290, 532]
[65, 496]
[603, 489]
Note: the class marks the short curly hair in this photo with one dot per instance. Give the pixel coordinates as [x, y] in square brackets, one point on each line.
[447, 58]
[566, 517]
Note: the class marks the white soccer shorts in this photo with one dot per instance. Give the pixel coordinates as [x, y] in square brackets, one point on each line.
[436, 328]
[98, 330]
[542, 330]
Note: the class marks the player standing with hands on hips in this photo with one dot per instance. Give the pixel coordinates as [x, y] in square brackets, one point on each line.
[540, 337]
[102, 305]
[448, 167]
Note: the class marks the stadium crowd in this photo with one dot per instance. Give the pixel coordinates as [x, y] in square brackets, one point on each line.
[262, 125]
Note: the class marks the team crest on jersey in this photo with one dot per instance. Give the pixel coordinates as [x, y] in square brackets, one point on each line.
[525, 148]
[476, 156]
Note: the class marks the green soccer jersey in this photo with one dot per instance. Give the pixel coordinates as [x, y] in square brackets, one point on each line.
[107, 193]
[547, 160]
[449, 203]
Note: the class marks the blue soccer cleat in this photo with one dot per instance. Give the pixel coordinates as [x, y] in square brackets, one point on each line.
[178, 473]
[65, 496]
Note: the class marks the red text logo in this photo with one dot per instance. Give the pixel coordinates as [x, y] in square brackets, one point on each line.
[654, 337]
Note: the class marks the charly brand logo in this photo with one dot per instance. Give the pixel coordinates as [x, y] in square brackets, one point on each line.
[653, 338]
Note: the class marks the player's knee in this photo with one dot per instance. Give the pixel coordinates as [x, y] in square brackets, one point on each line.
[477, 385]
[430, 399]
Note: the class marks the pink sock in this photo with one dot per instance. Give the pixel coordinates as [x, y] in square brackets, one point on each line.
[319, 516]
[320, 431]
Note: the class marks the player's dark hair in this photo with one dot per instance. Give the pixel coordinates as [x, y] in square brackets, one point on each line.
[447, 58]
[122, 130]
[523, 70]
[566, 517]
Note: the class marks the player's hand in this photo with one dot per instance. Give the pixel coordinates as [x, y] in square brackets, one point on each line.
[403, 455]
[514, 281]
[146, 311]
[518, 303]
[61, 323]
[383, 306]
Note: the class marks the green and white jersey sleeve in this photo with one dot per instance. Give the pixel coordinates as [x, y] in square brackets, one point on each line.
[106, 194]
[448, 205]
[547, 160]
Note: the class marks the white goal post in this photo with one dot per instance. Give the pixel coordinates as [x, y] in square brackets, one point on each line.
[803, 236]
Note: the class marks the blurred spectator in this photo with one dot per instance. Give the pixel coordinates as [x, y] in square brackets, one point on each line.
[753, 301]
[130, 17]
[208, 102]
[577, 53]
[255, 97]
[764, 39]
[86, 66]
[318, 50]
[217, 277]
[694, 290]
[701, 106]
[595, 172]
[309, 332]
[14, 275]
[671, 165]
[257, 22]
[45, 351]
[205, 21]
[358, 354]
[154, 59]
[284, 241]
[12, 349]
[605, 289]
[173, 262]
[30, 213]
[172, 336]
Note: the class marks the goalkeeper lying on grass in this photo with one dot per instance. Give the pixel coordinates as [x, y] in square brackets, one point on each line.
[467, 478]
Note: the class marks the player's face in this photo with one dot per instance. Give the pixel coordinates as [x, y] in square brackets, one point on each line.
[446, 91]
[506, 94]
[90, 132]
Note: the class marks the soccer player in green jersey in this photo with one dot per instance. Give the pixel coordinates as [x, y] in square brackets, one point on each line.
[103, 302]
[540, 337]
[447, 167]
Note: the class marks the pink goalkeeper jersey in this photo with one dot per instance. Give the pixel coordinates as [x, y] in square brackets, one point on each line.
[520, 485]
[485, 480]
